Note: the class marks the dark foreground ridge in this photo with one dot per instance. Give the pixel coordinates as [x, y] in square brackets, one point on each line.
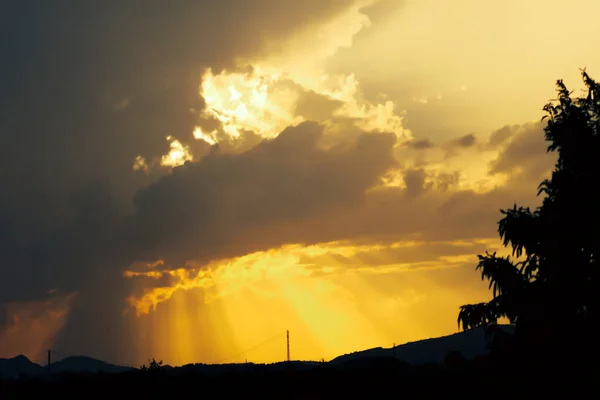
[380, 378]
[469, 344]
[465, 369]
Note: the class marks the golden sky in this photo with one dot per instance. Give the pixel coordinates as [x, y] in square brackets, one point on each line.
[209, 179]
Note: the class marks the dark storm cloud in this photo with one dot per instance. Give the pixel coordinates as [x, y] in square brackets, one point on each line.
[216, 206]
[290, 190]
[86, 86]
[431, 207]
[71, 62]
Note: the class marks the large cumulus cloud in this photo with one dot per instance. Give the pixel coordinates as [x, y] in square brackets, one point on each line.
[216, 207]
[87, 86]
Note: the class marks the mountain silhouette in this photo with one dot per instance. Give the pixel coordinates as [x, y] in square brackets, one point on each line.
[11, 368]
[83, 364]
[470, 344]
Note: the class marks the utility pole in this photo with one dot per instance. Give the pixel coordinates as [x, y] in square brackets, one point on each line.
[394, 350]
[288, 345]
[49, 359]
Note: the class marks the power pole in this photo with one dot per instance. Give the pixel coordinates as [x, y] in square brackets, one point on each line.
[394, 350]
[288, 346]
[49, 359]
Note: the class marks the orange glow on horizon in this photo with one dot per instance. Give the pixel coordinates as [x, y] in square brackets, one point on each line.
[33, 326]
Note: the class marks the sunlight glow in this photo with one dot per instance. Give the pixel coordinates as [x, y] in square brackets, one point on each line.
[209, 138]
[343, 296]
[266, 101]
[266, 94]
[140, 164]
[178, 154]
[320, 292]
[248, 102]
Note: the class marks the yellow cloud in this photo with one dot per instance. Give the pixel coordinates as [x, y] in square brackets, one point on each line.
[264, 97]
[463, 50]
[178, 154]
[208, 137]
[140, 164]
[248, 101]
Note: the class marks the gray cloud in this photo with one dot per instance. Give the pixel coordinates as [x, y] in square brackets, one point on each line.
[71, 65]
[501, 135]
[427, 252]
[465, 141]
[420, 144]
[415, 182]
[65, 67]
[451, 146]
[210, 208]
[316, 107]
[218, 207]
[432, 208]
[525, 153]
[454, 147]
[418, 181]
[199, 213]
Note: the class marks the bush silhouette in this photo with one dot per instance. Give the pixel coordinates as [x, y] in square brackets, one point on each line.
[549, 287]
[152, 366]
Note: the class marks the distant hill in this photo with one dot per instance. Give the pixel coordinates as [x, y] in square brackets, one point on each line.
[220, 369]
[430, 351]
[470, 344]
[82, 364]
[11, 368]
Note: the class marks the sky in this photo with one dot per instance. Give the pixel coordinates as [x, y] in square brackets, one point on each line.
[188, 180]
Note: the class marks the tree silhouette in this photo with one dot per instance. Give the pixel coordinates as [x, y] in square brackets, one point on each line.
[549, 286]
[152, 366]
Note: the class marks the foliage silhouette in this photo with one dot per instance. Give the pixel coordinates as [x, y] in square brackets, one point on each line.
[549, 287]
[152, 366]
